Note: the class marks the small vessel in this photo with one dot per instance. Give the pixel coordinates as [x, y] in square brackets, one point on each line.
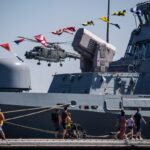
[97, 94]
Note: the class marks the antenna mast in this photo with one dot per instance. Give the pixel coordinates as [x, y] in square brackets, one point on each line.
[108, 13]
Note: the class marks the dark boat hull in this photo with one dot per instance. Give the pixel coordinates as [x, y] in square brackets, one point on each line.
[95, 124]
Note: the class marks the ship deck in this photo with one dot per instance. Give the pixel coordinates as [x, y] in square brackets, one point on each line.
[73, 144]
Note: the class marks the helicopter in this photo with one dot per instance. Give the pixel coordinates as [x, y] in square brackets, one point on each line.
[50, 53]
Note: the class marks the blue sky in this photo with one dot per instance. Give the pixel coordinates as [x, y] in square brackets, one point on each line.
[32, 17]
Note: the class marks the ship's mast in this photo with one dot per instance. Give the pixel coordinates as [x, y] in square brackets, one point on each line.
[108, 13]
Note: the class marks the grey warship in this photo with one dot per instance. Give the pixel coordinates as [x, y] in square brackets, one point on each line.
[97, 94]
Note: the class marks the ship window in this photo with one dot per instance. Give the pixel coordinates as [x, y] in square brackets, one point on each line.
[135, 108]
[64, 78]
[79, 77]
[73, 103]
[143, 50]
[147, 50]
[94, 107]
[148, 18]
[86, 107]
[95, 79]
[72, 78]
[143, 19]
[138, 50]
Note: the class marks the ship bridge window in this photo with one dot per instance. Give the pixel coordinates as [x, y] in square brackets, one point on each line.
[142, 19]
[147, 54]
[72, 77]
[147, 16]
[138, 51]
[79, 77]
[64, 78]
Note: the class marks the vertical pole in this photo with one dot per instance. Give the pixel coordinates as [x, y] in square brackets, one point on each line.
[108, 13]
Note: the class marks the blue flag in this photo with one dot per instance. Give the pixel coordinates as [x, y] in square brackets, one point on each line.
[19, 41]
[136, 11]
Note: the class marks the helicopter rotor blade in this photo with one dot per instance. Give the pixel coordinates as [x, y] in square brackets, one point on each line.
[68, 42]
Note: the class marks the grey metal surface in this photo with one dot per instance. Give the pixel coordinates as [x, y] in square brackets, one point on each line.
[60, 143]
[14, 75]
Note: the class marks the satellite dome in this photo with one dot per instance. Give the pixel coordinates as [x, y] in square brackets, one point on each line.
[14, 76]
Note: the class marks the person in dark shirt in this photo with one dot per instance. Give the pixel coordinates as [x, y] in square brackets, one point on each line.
[138, 121]
[56, 118]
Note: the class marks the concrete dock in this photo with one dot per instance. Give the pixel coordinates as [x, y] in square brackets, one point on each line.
[73, 144]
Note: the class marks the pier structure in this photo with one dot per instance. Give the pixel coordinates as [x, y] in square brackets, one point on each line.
[73, 144]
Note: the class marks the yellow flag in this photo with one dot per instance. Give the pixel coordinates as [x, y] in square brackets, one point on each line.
[119, 13]
[104, 18]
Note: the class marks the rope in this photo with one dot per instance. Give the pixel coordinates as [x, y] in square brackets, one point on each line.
[27, 109]
[53, 132]
[30, 114]
[20, 110]
[27, 115]
[31, 128]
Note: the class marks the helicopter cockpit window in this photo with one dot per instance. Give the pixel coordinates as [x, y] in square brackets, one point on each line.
[37, 49]
[34, 50]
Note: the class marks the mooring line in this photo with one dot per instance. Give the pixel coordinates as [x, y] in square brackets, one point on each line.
[31, 128]
[27, 109]
[27, 115]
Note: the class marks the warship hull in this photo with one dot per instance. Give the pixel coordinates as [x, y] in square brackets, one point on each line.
[97, 122]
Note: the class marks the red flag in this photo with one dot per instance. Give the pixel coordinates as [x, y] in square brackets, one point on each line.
[72, 29]
[19, 41]
[40, 38]
[58, 32]
[6, 46]
[67, 30]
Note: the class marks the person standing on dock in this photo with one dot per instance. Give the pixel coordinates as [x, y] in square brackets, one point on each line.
[122, 125]
[64, 120]
[2, 119]
[138, 121]
[130, 125]
[56, 118]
